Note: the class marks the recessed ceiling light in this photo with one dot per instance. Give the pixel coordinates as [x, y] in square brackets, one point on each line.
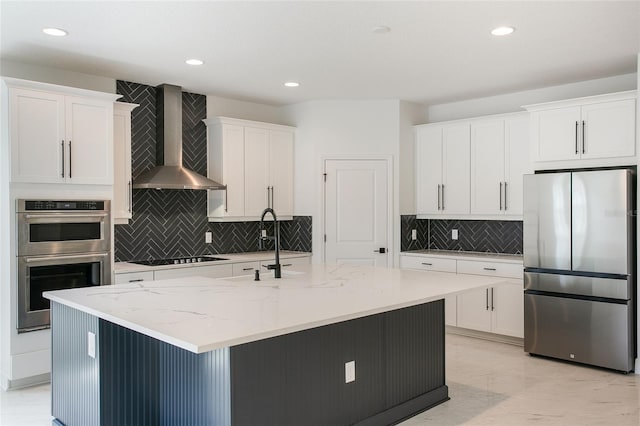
[194, 61]
[292, 84]
[500, 31]
[55, 32]
[381, 29]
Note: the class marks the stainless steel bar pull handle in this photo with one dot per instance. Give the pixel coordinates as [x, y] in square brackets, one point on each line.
[62, 148]
[576, 138]
[69, 159]
[443, 196]
[500, 194]
[505, 195]
[584, 139]
[486, 297]
[130, 198]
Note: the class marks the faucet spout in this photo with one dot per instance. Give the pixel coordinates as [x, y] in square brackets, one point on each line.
[277, 269]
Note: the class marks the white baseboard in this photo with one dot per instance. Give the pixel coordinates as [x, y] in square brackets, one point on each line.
[486, 336]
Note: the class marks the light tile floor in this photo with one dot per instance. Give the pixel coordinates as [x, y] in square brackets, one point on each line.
[489, 384]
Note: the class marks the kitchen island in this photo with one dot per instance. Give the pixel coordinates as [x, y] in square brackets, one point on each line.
[326, 344]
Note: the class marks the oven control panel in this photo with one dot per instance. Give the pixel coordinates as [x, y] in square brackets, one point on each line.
[36, 205]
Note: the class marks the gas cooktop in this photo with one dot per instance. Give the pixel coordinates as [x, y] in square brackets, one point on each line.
[175, 261]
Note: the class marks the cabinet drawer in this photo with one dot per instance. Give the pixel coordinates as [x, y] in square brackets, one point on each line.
[494, 269]
[288, 262]
[132, 277]
[245, 268]
[217, 271]
[428, 263]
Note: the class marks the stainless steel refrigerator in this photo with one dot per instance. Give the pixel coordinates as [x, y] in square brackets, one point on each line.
[579, 258]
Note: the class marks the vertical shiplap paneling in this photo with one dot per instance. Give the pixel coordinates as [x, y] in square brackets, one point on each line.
[128, 377]
[75, 384]
[414, 337]
[195, 389]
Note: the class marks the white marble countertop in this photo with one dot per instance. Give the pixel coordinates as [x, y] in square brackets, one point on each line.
[127, 267]
[202, 314]
[466, 255]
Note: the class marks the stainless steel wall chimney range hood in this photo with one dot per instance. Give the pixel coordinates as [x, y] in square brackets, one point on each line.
[169, 173]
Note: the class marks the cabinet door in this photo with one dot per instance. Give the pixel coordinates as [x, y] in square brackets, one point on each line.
[508, 310]
[89, 130]
[428, 169]
[487, 167]
[230, 168]
[474, 310]
[256, 170]
[455, 169]
[609, 129]
[281, 172]
[517, 162]
[556, 133]
[122, 196]
[36, 120]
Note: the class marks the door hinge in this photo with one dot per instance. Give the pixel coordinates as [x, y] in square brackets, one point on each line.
[325, 176]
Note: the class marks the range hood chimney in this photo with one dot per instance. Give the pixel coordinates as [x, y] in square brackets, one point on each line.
[169, 173]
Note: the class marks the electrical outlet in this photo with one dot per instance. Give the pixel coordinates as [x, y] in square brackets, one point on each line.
[91, 344]
[414, 234]
[454, 234]
[208, 238]
[264, 233]
[350, 372]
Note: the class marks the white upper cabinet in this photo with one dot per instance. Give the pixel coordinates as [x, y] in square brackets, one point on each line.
[60, 134]
[255, 161]
[442, 170]
[499, 158]
[593, 128]
[122, 205]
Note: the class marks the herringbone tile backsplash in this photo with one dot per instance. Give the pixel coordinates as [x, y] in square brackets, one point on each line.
[489, 236]
[172, 223]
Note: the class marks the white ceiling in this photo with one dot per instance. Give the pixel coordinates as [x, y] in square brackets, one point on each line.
[436, 51]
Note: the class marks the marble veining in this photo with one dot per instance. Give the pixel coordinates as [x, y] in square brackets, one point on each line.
[201, 314]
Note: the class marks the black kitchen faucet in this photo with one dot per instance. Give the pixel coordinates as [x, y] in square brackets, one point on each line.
[277, 270]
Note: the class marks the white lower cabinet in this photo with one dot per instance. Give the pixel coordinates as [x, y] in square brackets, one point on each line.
[498, 309]
[245, 268]
[213, 271]
[132, 277]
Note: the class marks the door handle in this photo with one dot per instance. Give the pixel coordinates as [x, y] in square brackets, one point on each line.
[427, 264]
[438, 196]
[380, 250]
[492, 307]
[489, 269]
[130, 198]
[500, 194]
[584, 139]
[69, 159]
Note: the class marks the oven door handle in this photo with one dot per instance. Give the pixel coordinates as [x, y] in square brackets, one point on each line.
[67, 257]
[64, 215]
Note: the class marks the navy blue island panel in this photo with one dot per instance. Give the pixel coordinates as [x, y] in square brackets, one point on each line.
[293, 379]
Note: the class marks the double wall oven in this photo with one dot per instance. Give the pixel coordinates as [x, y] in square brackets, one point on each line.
[61, 245]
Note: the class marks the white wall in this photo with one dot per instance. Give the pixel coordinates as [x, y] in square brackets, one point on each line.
[225, 107]
[335, 128]
[513, 102]
[57, 76]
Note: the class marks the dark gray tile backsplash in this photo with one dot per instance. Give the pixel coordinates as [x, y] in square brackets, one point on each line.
[490, 236]
[172, 223]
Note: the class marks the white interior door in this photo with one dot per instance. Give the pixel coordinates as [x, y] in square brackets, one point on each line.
[356, 212]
